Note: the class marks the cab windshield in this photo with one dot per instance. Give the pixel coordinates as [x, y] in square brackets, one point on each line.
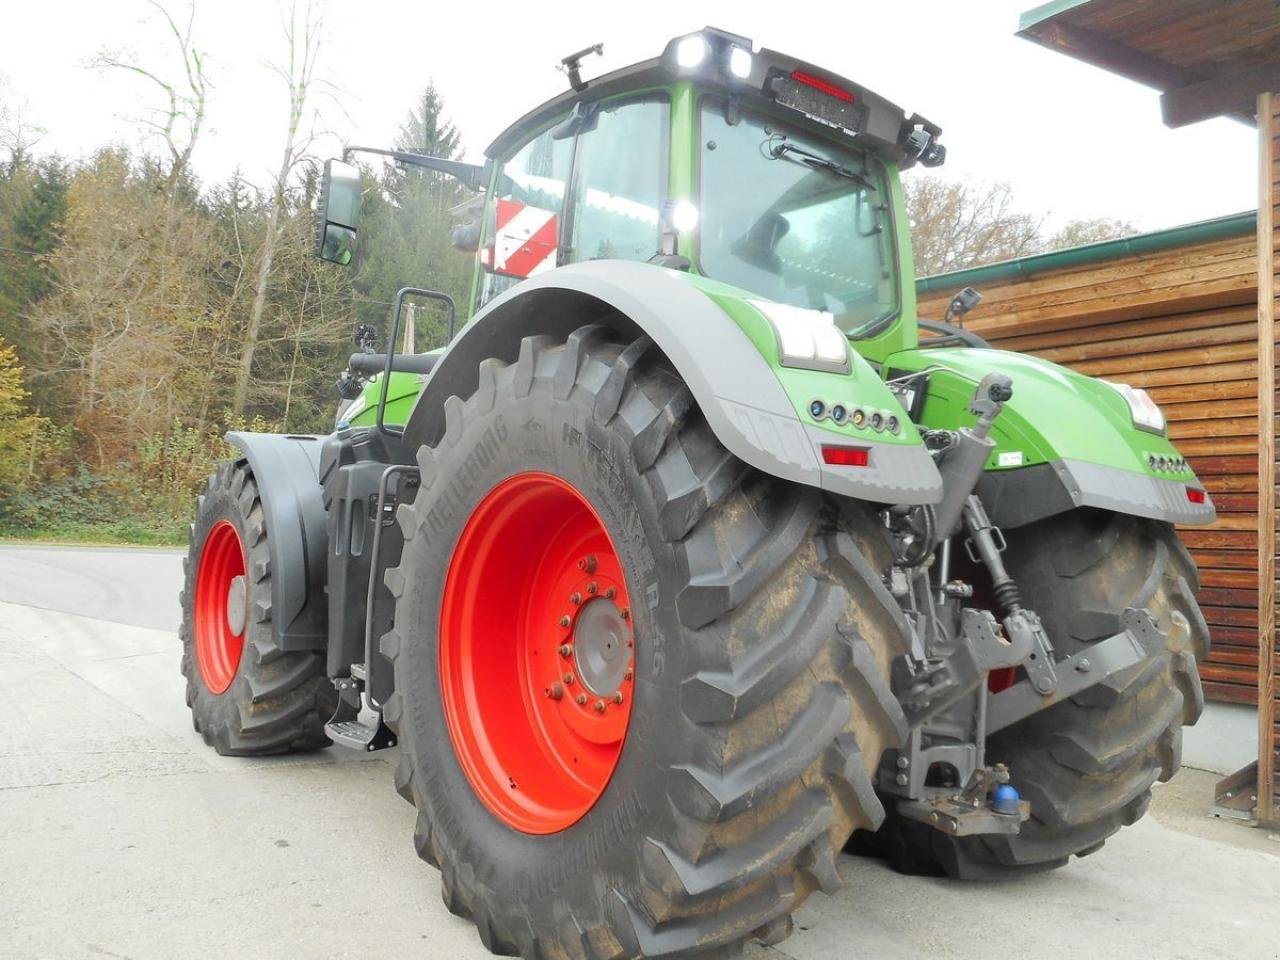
[797, 219]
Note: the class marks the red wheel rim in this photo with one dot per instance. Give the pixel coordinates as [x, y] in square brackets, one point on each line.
[220, 607]
[536, 653]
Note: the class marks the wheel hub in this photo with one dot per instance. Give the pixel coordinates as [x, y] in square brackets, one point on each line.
[237, 605]
[601, 646]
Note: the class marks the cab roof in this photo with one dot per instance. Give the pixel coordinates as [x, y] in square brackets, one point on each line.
[765, 80]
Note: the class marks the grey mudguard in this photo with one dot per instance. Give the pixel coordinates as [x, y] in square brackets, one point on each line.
[1017, 497]
[287, 470]
[733, 385]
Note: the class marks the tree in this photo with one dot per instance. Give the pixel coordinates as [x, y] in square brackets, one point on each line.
[958, 224]
[303, 36]
[20, 430]
[179, 120]
[407, 221]
[1077, 233]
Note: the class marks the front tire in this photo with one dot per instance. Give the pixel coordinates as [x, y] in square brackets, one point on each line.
[1086, 764]
[247, 696]
[759, 706]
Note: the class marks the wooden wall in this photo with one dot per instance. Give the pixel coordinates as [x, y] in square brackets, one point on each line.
[1183, 324]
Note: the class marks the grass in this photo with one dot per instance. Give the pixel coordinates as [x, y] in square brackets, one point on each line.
[116, 532]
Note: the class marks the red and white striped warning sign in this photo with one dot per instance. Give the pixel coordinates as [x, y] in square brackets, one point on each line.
[524, 242]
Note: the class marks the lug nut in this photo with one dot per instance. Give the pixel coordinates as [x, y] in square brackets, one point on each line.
[565, 621]
[575, 598]
[566, 650]
[599, 706]
[629, 674]
[587, 563]
[593, 588]
[625, 613]
[555, 691]
[617, 697]
[610, 593]
[568, 679]
[581, 699]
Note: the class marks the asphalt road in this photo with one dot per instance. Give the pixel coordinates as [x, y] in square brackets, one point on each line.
[122, 835]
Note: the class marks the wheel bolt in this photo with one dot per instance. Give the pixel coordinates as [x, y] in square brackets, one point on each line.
[555, 691]
[565, 621]
[566, 650]
[593, 588]
[617, 696]
[581, 699]
[628, 675]
[587, 563]
[575, 598]
[626, 614]
[610, 593]
[568, 679]
[599, 706]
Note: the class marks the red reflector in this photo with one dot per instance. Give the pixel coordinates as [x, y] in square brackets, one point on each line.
[1194, 495]
[830, 89]
[846, 456]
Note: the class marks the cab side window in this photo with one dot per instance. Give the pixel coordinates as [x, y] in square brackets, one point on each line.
[619, 183]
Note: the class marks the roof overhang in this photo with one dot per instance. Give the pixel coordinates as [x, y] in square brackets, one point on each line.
[1208, 58]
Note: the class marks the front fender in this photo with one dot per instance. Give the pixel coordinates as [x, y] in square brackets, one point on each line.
[1064, 440]
[712, 338]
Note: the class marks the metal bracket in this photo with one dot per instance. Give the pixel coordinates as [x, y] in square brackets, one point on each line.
[1139, 639]
[964, 818]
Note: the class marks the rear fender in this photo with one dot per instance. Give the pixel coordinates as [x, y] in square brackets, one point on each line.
[287, 471]
[706, 332]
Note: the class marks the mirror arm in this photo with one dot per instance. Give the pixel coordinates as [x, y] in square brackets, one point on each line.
[473, 175]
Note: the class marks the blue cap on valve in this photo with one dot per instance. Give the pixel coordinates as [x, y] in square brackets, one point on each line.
[1006, 799]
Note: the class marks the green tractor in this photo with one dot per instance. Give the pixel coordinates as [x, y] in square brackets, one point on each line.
[686, 561]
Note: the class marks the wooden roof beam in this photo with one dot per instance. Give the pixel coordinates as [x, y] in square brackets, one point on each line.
[1233, 93]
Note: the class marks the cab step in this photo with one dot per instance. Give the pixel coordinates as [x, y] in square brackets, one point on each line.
[354, 723]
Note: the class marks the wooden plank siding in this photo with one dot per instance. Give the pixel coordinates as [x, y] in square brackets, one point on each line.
[1183, 324]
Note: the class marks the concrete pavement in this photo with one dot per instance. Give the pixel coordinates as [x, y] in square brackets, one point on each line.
[122, 835]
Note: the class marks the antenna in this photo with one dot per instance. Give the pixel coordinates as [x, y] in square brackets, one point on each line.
[572, 65]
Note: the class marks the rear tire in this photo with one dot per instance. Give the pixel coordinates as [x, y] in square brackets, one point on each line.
[247, 696]
[763, 637]
[1088, 763]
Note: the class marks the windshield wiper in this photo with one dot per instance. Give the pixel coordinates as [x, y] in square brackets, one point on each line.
[788, 151]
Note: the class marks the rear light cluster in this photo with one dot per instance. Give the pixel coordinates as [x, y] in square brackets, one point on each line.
[1169, 464]
[1196, 495]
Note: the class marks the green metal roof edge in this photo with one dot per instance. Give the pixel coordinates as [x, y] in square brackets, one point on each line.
[1234, 225]
[1045, 11]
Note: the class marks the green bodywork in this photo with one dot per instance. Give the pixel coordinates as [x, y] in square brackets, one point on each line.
[1055, 414]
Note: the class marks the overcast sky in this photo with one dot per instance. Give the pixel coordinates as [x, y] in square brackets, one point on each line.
[1074, 141]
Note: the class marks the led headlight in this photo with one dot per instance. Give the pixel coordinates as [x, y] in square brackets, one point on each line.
[691, 51]
[1146, 414]
[739, 62]
[806, 338]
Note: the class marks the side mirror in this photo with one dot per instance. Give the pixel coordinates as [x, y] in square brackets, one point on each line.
[337, 212]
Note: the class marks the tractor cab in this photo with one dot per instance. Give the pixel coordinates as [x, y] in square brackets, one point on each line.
[751, 168]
